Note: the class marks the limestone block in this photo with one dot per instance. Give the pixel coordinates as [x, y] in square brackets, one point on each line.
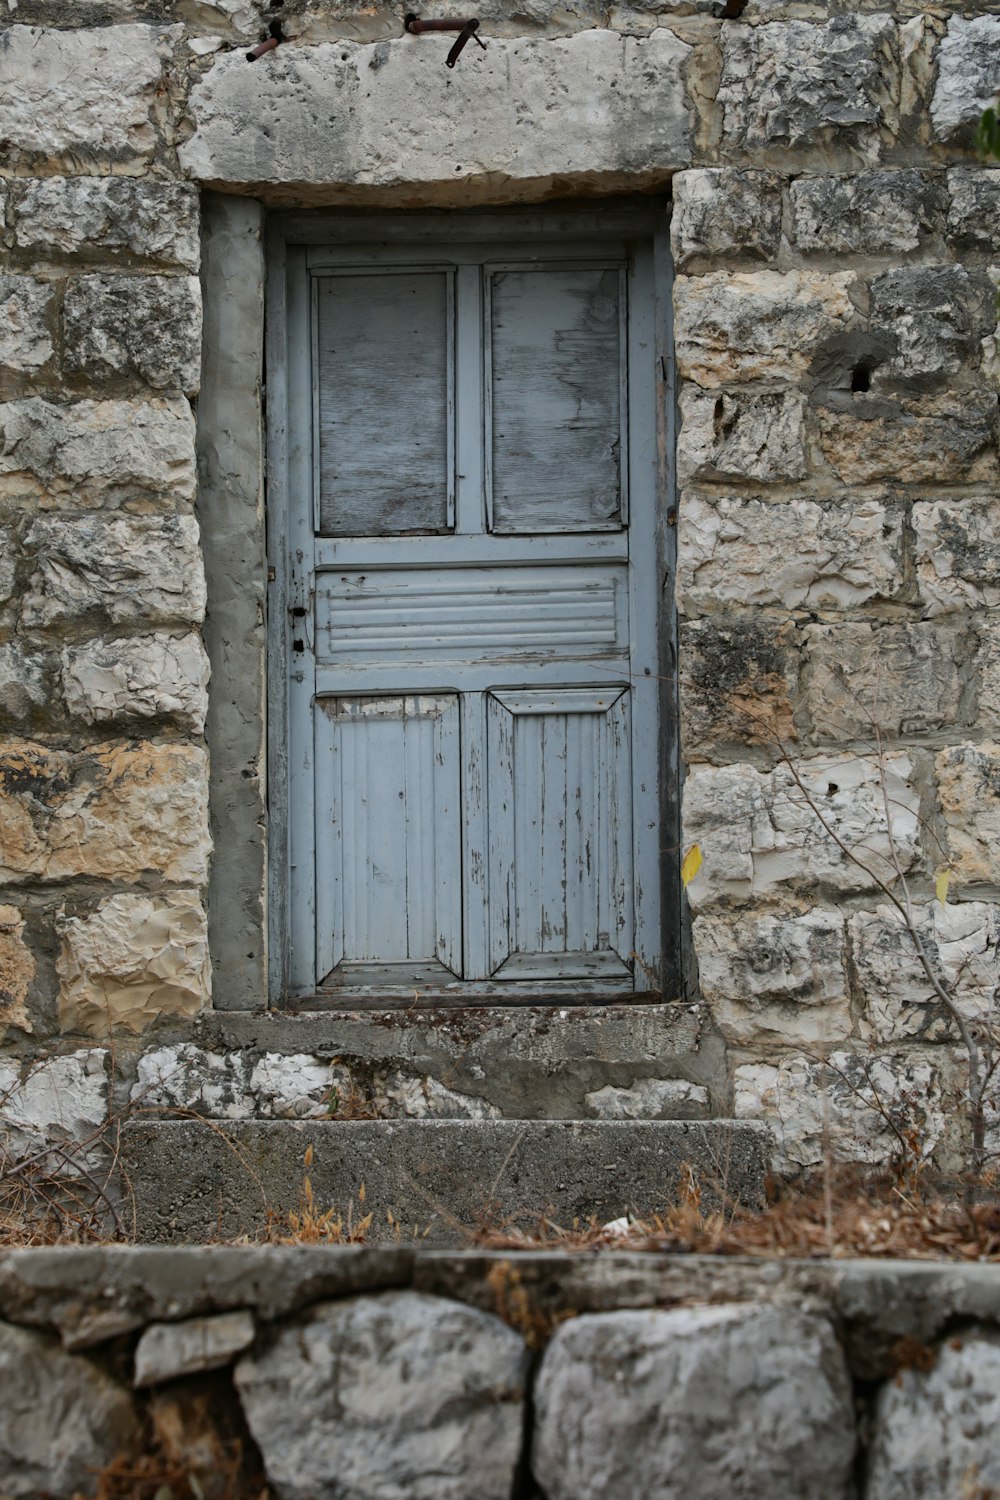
[870, 213]
[420, 1097]
[958, 554]
[722, 212]
[650, 1099]
[733, 552]
[758, 834]
[988, 671]
[403, 1396]
[91, 217]
[128, 569]
[144, 677]
[753, 325]
[738, 684]
[733, 435]
[844, 1109]
[97, 453]
[61, 1417]
[707, 1401]
[93, 95]
[23, 685]
[968, 68]
[25, 332]
[148, 327]
[56, 1099]
[935, 1429]
[7, 565]
[897, 678]
[168, 1351]
[775, 978]
[962, 942]
[188, 1077]
[968, 779]
[974, 209]
[934, 316]
[112, 810]
[794, 85]
[293, 1086]
[131, 961]
[944, 439]
[591, 109]
[17, 970]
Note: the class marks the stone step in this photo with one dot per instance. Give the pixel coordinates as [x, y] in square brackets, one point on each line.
[194, 1180]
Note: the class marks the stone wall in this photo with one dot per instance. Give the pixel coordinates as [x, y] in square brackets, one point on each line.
[835, 310]
[365, 1373]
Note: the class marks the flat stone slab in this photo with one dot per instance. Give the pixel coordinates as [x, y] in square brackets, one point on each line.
[438, 1178]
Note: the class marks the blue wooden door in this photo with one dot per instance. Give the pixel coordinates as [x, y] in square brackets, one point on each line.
[472, 586]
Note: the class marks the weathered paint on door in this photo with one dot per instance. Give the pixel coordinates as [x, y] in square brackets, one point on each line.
[472, 586]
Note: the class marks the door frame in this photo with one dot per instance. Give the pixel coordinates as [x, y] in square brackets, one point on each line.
[288, 584]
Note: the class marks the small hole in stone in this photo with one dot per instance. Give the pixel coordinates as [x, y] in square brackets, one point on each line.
[861, 378]
[832, 789]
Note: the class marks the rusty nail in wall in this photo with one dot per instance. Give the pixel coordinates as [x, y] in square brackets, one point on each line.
[465, 28]
[275, 38]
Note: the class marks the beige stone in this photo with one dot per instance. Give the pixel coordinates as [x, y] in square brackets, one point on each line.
[775, 978]
[91, 96]
[131, 569]
[958, 553]
[96, 453]
[756, 325]
[17, 970]
[968, 779]
[90, 217]
[733, 435]
[760, 834]
[25, 334]
[892, 679]
[793, 554]
[988, 669]
[738, 684]
[145, 328]
[111, 811]
[722, 212]
[23, 682]
[133, 960]
[144, 677]
[936, 439]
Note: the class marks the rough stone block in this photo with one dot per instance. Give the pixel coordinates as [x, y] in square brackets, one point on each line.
[94, 217]
[968, 67]
[734, 435]
[145, 677]
[169, 1351]
[61, 1417]
[848, 1108]
[396, 1395]
[958, 554]
[933, 317]
[754, 325]
[17, 970]
[238, 1085]
[93, 95]
[738, 684]
[974, 209]
[758, 833]
[599, 109]
[747, 552]
[723, 212]
[962, 942]
[25, 325]
[871, 213]
[774, 978]
[138, 569]
[650, 1099]
[132, 961]
[97, 453]
[945, 439]
[128, 327]
[899, 678]
[8, 570]
[55, 1099]
[114, 811]
[23, 683]
[988, 673]
[794, 85]
[706, 1401]
[935, 1429]
[968, 780]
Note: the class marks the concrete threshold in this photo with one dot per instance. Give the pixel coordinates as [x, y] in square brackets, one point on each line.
[439, 1180]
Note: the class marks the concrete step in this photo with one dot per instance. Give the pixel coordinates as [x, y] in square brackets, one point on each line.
[194, 1180]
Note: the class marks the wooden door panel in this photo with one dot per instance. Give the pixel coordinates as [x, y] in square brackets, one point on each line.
[560, 833]
[388, 831]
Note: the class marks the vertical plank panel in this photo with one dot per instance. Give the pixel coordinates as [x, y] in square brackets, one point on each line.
[499, 796]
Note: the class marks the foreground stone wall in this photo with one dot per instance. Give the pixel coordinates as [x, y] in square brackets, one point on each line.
[544, 1376]
[835, 244]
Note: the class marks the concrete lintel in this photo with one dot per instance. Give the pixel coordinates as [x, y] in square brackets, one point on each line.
[597, 112]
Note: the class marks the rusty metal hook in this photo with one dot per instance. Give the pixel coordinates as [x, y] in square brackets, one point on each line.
[276, 37]
[466, 29]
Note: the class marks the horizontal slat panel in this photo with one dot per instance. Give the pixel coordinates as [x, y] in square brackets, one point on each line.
[475, 615]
